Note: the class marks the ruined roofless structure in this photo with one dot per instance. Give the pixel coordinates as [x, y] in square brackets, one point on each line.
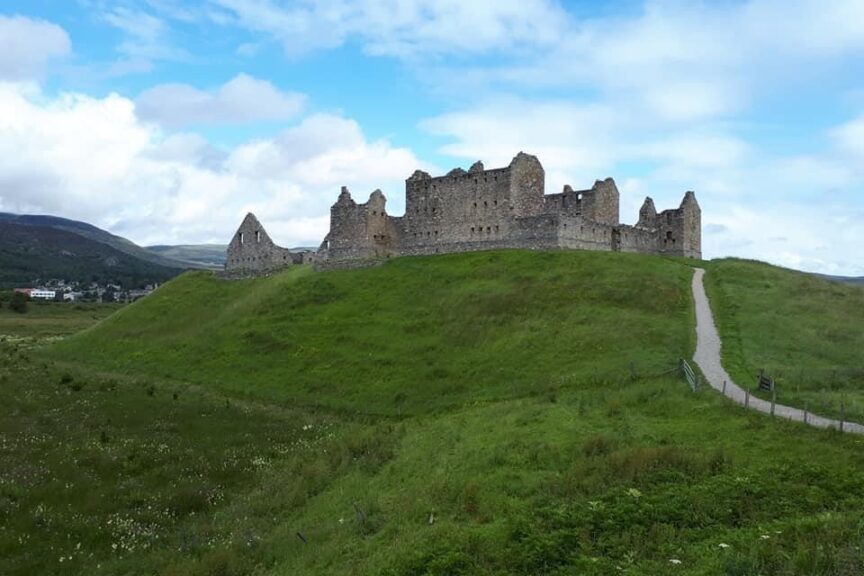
[251, 252]
[484, 210]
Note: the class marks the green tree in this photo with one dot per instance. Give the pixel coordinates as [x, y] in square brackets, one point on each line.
[18, 303]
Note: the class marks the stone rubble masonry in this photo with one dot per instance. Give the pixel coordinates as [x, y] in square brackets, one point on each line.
[251, 252]
[502, 208]
[478, 210]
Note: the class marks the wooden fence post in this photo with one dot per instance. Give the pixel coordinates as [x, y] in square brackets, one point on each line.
[773, 401]
[724, 387]
[747, 398]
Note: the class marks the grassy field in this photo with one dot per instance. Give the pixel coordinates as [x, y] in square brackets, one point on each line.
[804, 331]
[553, 442]
[51, 319]
[414, 336]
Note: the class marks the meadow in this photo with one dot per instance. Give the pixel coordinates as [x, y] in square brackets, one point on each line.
[802, 330]
[496, 413]
[51, 319]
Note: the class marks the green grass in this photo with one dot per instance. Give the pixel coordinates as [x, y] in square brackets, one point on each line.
[116, 476]
[51, 319]
[552, 445]
[415, 335]
[803, 330]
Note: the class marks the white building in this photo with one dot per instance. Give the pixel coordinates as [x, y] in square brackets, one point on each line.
[42, 294]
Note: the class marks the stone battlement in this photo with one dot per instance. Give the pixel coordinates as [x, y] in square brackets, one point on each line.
[482, 209]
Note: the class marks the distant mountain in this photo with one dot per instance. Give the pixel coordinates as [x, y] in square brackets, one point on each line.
[195, 255]
[210, 256]
[30, 253]
[847, 279]
[94, 233]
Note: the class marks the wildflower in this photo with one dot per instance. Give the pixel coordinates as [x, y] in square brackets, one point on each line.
[675, 561]
[765, 537]
[635, 493]
[723, 545]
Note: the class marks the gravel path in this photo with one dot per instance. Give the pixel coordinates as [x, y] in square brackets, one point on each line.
[708, 357]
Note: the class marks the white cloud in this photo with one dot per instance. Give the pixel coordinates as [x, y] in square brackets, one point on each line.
[404, 29]
[93, 159]
[28, 45]
[146, 37]
[795, 210]
[680, 62]
[241, 99]
[849, 137]
[571, 140]
[817, 238]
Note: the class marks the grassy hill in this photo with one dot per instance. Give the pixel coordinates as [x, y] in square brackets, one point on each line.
[803, 330]
[491, 413]
[444, 331]
[209, 256]
[29, 252]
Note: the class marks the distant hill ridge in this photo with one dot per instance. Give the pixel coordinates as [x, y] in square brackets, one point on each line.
[210, 256]
[92, 232]
[31, 253]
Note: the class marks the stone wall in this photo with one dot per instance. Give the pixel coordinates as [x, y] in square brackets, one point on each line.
[482, 209]
[678, 232]
[252, 252]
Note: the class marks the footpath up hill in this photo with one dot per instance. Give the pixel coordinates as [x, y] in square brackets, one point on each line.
[414, 335]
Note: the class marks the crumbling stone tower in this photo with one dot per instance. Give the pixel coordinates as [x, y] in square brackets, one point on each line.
[360, 230]
[679, 231]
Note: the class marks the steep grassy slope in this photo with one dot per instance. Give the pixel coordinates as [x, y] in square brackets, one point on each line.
[29, 252]
[497, 413]
[804, 330]
[412, 336]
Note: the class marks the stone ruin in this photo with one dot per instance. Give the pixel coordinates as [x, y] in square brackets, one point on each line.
[480, 210]
[251, 252]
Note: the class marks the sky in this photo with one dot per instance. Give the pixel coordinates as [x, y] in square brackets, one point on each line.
[166, 121]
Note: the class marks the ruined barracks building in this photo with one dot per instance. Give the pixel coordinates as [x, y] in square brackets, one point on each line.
[481, 210]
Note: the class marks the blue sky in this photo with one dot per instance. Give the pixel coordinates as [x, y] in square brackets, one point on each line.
[166, 121]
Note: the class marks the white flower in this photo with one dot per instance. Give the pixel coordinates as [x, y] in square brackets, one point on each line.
[635, 493]
[674, 561]
[723, 545]
[765, 537]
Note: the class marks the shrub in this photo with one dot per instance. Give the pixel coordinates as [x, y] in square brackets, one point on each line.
[597, 446]
[18, 303]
